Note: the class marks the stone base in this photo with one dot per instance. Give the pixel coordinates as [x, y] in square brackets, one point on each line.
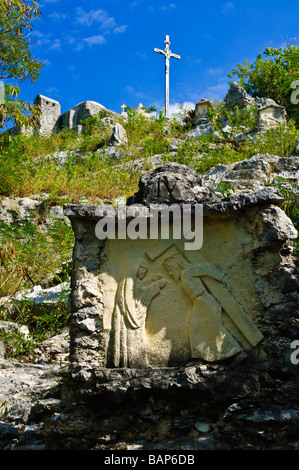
[250, 405]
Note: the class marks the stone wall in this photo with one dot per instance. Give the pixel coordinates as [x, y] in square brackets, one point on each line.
[50, 112]
[73, 117]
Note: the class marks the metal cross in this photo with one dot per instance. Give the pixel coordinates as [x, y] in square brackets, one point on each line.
[168, 54]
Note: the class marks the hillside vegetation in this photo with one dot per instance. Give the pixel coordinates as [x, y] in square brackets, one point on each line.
[30, 166]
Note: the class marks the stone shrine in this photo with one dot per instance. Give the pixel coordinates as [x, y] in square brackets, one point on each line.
[162, 334]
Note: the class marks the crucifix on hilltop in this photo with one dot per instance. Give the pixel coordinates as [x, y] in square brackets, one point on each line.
[168, 54]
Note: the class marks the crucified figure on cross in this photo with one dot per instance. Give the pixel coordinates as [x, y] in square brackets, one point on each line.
[168, 54]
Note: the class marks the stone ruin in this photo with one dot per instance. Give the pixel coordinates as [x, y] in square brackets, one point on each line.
[169, 343]
[53, 121]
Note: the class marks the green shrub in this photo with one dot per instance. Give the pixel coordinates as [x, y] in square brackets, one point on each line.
[271, 76]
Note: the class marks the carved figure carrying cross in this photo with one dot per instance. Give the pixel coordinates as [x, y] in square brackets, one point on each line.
[168, 54]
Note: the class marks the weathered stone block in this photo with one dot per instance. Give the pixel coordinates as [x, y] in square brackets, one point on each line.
[164, 337]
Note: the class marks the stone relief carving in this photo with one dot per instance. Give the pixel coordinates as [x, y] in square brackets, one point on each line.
[133, 297]
[209, 292]
[208, 288]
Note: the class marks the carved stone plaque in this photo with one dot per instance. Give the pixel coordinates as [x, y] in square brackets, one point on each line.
[169, 307]
[153, 303]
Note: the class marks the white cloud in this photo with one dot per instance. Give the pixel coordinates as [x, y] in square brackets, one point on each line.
[95, 16]
[228, 7]
[176, 107]
[52, 92]
[106, 23]
[95, 40]
[168, 7]
[215, 71]
[132, 91]
[120, 29]
[56, 45]
[56, 15]
[41, 38]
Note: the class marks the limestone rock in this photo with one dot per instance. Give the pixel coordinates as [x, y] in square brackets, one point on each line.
[27, 390]
[173, 184]
[156, 381]
[10, 327]
[201, 110]
[255, 173]
[18, 209]
[2, 350]
[199, 130]
[119, 135]
[40, 300]
[23, 208]
[270, 114]
[237, 96]
[144, 164]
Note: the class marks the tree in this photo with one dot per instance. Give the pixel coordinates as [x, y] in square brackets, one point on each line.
[273, 75]
[17, 61]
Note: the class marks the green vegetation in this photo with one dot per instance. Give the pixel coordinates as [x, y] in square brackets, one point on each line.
[207, 151]
[32, 249]
[271, 76]
[28, 254]
[16, 60]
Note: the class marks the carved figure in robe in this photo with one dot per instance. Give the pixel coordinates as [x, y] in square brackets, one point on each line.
[127, 338]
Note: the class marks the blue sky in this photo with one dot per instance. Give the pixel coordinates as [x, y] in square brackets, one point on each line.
[103, 50]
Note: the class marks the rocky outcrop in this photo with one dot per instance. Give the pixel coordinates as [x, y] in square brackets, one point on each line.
[119, 135]
[30, 392]
[171, 184]
[41, 300]
[269, 113]
[256, 173]
[28, 208]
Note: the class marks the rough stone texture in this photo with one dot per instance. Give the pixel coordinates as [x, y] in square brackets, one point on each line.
[10, 327]
[119, 135]
[256, 173]
[18, 209]
[237, 96]
[23, 208]
[50, 112]
[201, 111]
[41, 299]
[270, 114]
[201, 129]
[52, 121]
[248, 401]
[72, 118]
[48, 120]
[173, 183]
[30, 393]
